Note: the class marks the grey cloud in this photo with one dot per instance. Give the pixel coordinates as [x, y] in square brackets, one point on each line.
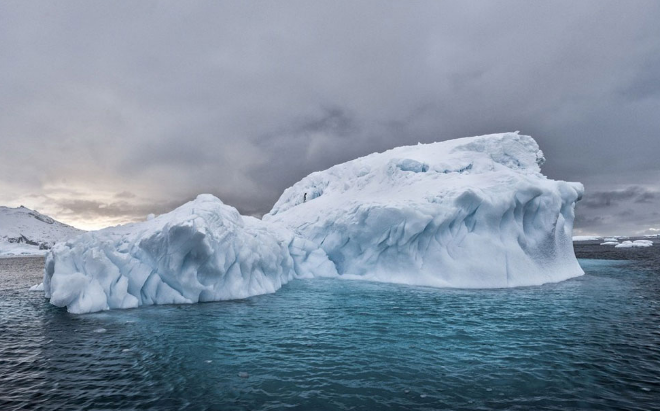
[125, 194]
[611, 198]
[589, 222]
[630, 210]
[119, 209]
[626, 214]
[646, 197]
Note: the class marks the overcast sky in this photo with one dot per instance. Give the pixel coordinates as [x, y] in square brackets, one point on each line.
[113, 110]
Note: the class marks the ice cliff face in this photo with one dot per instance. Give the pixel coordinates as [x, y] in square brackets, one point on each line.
[471, 212]
[202, 251]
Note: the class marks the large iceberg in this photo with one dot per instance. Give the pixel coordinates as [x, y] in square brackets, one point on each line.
[202, 251]
[472, 212]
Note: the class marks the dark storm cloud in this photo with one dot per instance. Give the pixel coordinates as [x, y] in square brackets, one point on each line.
[589, 222]
[165, 100]
[611, 198]
[629, 210]
[125, 194]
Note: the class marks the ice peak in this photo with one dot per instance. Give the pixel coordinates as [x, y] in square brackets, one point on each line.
[208, 198]
[382, 175]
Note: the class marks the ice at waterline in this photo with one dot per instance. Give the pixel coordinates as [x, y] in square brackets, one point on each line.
[473, 212]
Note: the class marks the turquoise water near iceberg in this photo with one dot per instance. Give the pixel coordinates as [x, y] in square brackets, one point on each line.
[587, 343]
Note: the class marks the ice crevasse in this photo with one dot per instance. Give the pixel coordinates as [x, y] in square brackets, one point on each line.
[473, 213]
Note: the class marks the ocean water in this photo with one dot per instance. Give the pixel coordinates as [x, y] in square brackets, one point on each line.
[587, 343]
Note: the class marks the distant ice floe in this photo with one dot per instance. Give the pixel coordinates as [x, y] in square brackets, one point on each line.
[610, 243]
[471, 213]
[586, 238]
[635, 244]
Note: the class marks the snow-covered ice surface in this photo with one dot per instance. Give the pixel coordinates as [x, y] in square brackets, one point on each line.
[471, 212]
[635, 244]
[28, 232]
[202, 251]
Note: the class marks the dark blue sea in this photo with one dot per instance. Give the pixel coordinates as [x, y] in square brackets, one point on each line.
[588, 343]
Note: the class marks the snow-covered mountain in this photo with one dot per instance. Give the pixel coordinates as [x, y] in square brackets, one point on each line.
[28, 232]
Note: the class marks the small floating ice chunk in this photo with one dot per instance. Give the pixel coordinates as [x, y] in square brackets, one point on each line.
[127, 350]
[610, 243]
[611, 239]
[100, 330]
[243, 374]
[38, 287]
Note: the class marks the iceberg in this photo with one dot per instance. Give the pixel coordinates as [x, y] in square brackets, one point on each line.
[202, 251]
[470, 213]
